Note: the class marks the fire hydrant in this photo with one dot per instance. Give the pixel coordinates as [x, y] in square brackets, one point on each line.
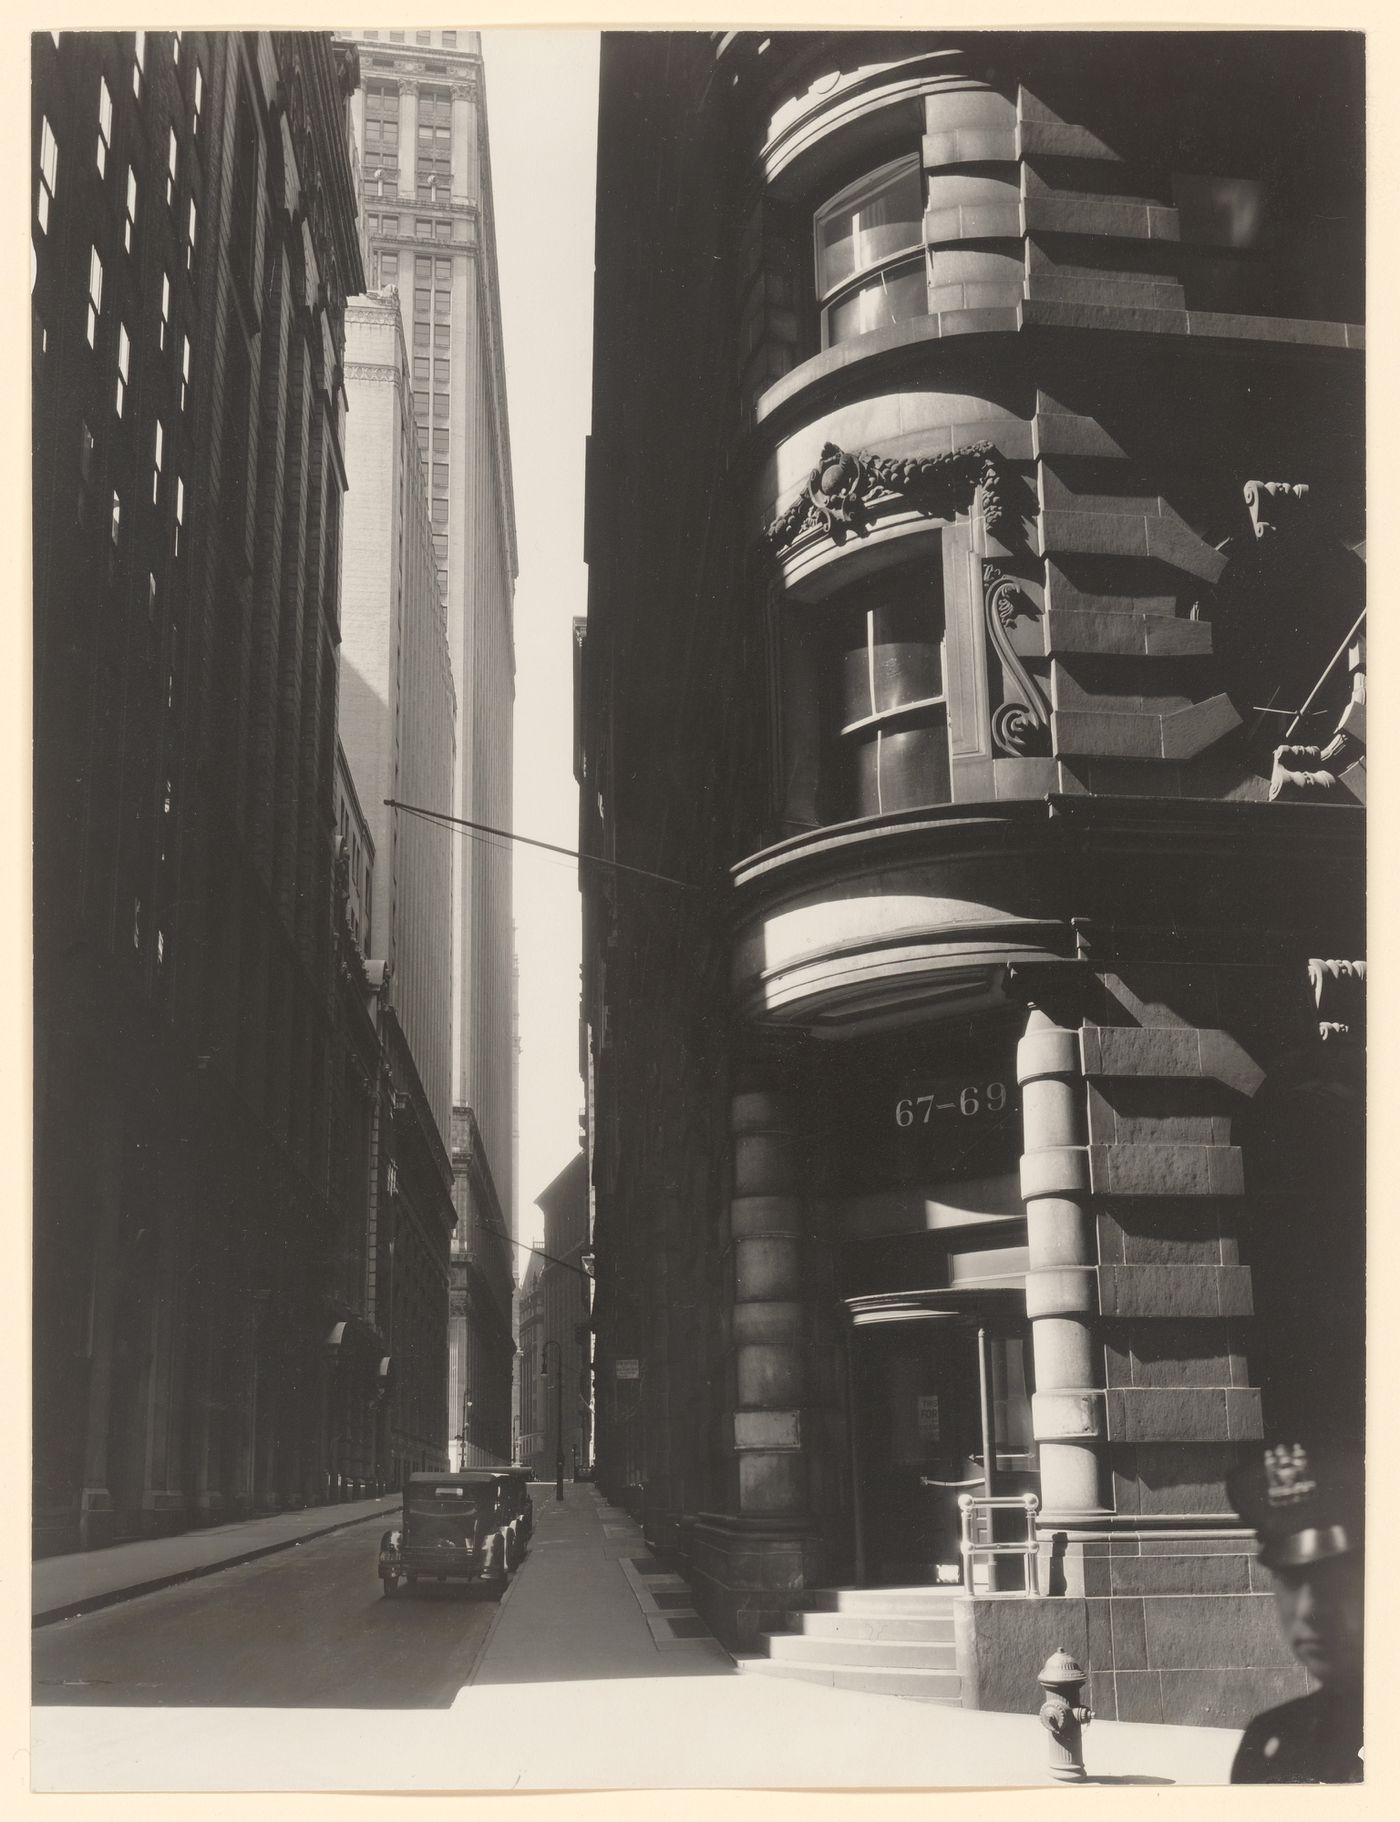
[1063, 1718]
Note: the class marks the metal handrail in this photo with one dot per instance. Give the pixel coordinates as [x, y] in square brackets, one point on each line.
[1030, 1549]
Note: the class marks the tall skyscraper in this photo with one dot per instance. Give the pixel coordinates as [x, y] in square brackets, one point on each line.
[193, 244]
[398, 726]
[419, 119]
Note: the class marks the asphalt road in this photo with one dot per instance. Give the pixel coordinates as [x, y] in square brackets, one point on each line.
[306, 1628]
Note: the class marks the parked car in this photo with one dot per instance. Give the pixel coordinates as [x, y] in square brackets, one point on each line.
[462, 1527]
[521, 1508]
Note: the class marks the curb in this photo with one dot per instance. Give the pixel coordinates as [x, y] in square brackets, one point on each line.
[114, 1596]
[490, 1632]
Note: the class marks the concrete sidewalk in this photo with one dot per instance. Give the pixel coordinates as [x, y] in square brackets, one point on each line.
[81, 1582]
[596, 1674]
[627, 1689]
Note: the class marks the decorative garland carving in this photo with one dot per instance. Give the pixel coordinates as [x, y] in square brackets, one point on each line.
[1021, 729]
[843, 487]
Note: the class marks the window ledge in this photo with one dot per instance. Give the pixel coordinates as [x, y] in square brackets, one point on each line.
[824, 372]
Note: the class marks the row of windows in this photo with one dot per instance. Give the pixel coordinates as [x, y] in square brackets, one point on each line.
[449, 39]
[441, 407]
[869, 259]
[423, 229]
[424, 265]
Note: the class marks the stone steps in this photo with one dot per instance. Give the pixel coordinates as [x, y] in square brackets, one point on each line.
[940, 1687]
[907, 1602]
[886, 1654]
[931, 1628]
[888, 1641]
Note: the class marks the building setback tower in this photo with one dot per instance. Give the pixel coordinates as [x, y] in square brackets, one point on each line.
[425, 169]
[193, 244]
[974, 661]
[397, 725]
[420, 125]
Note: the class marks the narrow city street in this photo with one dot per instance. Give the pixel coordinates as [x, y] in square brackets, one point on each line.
[305, 1628]
[259, 1678]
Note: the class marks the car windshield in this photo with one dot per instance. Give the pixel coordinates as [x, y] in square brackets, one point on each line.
[449, 1501]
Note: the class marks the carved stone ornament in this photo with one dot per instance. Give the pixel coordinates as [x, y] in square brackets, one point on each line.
[1340, 991]
[843, 487]
[1274, 506]
[1019, 728]
[347, 69]
[1310, 771]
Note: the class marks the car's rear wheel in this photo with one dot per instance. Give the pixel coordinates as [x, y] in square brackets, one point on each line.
[391, 1586]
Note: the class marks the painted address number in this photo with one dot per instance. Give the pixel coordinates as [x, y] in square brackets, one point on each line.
[967, 1102]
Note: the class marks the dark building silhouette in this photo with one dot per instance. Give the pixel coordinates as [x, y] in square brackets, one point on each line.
[197, 1068]
[974, 671]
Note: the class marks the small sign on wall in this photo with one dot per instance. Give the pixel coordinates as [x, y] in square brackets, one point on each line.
[929, 1430]
[627, 1369]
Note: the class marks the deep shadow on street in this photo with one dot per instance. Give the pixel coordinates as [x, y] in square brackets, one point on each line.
[306, 1628]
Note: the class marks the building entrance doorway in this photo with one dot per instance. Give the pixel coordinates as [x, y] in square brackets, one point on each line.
[940, 1407]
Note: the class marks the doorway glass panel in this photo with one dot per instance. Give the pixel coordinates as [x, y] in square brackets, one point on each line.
[938, 1396]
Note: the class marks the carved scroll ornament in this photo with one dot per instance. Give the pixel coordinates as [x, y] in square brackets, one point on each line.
[1019, 728]
[843, 488]
[1275, 505]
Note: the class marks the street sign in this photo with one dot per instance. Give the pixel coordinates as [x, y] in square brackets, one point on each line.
[627, 1369]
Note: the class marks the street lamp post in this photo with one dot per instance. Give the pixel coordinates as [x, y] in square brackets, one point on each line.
[558, 1410]
[462, 1434]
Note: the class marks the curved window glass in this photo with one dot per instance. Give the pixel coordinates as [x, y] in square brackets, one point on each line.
[889, 749]
[870, 267]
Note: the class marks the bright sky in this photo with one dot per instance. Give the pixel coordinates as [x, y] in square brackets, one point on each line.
[541, 100]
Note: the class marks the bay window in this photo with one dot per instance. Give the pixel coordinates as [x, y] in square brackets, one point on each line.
[865, 700]
[868, 245]
[891, 721]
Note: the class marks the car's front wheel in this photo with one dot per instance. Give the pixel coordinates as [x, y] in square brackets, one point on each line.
[391, 1586]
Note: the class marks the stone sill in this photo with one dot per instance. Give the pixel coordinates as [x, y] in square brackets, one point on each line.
[811, 379]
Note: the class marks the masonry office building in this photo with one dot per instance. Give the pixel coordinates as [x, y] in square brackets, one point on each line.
[975, 661]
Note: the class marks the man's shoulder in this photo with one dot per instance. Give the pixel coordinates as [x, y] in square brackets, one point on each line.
[1307, 1739]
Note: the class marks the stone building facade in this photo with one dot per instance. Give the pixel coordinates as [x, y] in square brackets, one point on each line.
[974, 672]
[481, 1376]
[193, 242]
[358, 1347]
[530, 1441]
[419, 120]
[398, 725]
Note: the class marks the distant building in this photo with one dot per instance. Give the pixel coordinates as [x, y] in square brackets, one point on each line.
[193, 243]
[397, 725]
[425, 177]
[564, 1377]
[974, 662]
[530, 1444]
[482, 1362]
[358, 1348]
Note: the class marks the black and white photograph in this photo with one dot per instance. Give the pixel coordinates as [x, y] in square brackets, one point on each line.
[698, 1065]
